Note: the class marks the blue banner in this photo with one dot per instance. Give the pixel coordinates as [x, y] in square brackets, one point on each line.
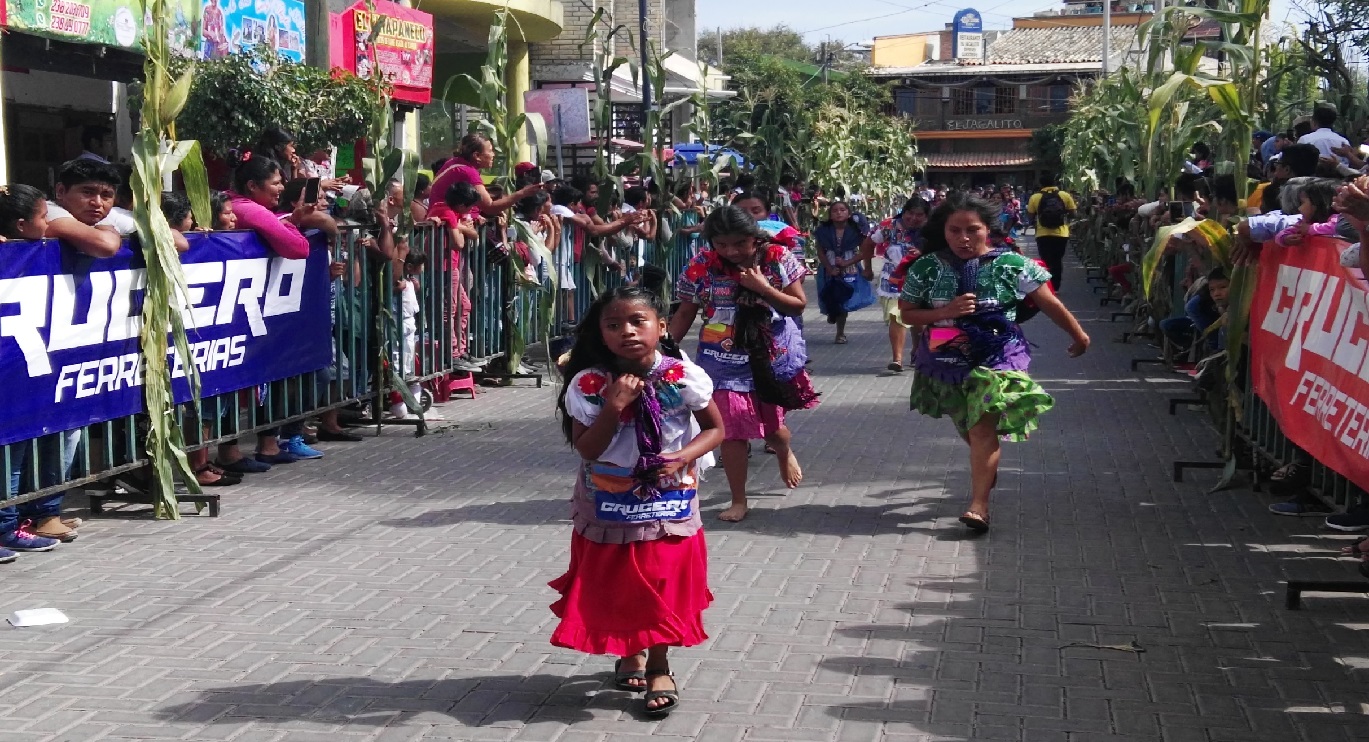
[69, 326]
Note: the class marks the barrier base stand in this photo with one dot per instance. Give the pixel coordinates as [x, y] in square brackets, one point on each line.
[1137, 363]
[1293, 597]
[133, 494]
[1180, 466]
[509, 378]
[1128, 315]
[1197, 400]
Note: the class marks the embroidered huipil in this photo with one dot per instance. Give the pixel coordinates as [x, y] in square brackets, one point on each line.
[605, 508]
[933, 282]
[709, 284]
[896, 242]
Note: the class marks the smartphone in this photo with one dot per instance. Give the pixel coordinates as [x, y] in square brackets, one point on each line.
[306, 187]
[1176, 210]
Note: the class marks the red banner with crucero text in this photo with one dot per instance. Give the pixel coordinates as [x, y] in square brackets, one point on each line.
[1309, 351]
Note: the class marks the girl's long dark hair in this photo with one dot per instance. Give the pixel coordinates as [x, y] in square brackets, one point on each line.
[590, 351]
[934, 234]
[732, 220]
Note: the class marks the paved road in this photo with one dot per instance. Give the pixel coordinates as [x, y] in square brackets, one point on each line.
[397, 590]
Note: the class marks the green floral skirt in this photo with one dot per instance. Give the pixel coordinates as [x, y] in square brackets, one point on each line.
[1011, 394]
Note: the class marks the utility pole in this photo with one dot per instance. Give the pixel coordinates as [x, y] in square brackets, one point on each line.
[720, 47]
[822, 54]
[1107, 34]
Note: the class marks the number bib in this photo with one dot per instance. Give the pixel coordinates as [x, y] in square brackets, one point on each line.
[614, 501]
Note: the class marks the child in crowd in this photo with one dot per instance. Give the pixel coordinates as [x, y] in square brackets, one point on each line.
[23, 216]
[749, 290]
[1204, 306]
[23, 213]
[408, 287]
[1315, 203]
[644, 425]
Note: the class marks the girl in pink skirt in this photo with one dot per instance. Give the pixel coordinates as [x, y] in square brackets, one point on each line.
[750, 291]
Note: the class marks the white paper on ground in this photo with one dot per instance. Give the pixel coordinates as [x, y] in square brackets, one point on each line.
[38, 617]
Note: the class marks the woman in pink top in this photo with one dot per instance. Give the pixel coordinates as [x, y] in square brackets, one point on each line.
[257, 185]
[473, 154]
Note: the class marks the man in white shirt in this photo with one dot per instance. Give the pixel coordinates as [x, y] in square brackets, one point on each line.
[1323, 137]
[83, 198]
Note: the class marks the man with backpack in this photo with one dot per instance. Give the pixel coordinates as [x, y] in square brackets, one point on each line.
[1052, 208]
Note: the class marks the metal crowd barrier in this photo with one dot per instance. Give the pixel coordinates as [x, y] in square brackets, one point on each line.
[367, 335]
[367, 331]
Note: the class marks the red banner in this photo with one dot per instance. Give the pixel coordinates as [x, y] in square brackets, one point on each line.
[395, 40]
[1309, 340]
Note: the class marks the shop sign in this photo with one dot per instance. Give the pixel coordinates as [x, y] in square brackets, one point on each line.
[232, 26]
[983, 124]
[105, 22]
[390, 39]
[967, 35]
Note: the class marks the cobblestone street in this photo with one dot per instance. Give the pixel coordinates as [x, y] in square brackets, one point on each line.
[396, 590]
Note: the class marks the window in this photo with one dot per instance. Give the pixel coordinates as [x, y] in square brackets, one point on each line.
[962, 102]
[1005, 100]
[1059, 99]
[983, 101]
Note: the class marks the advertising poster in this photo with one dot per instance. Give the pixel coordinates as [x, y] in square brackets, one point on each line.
[232, 26]
[394, 40]
[106, 22]
[1309, 343]
[573, 104]
[69, 325]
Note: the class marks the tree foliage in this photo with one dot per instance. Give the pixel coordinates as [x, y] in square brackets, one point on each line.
[235, 98]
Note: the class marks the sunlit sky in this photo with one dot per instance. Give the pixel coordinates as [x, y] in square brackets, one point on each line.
[862, 20]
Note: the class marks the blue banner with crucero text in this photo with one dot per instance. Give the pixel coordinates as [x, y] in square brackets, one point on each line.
[69, 326]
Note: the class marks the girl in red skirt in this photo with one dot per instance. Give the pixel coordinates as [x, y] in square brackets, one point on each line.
[645, 425]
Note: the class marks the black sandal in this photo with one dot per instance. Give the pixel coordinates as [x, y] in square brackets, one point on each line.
[620, 678]
[673, 696]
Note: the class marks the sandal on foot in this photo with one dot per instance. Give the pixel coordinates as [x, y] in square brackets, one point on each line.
[975, 522]
[621, 678]
[1360, 549]
[672, 696]
[841, 340]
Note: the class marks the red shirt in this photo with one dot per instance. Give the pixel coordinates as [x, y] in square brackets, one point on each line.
[457, 170]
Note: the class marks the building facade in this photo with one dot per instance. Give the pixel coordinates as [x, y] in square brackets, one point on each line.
[976, 101]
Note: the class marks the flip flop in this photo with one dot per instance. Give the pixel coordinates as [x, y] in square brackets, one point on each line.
[841, 340]
[620, 678]
[975, 522]
[673, 696]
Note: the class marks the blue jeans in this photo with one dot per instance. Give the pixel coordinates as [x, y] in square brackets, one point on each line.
[56, 454]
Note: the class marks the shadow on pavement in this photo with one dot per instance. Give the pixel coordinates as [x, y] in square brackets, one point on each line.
[475, 702]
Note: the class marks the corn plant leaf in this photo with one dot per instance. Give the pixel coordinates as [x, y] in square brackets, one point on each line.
[196, 181]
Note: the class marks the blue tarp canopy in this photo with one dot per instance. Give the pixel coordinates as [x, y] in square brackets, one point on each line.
[689, 153]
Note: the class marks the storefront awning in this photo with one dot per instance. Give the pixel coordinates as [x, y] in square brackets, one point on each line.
[967, 160]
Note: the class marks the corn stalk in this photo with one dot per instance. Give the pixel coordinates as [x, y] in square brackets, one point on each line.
[155, 154]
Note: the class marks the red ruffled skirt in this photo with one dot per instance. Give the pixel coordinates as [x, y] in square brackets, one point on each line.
[619, 599]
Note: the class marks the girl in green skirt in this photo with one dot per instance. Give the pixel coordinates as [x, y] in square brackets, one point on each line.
[972, 362]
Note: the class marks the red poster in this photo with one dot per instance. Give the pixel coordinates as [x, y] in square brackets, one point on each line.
[1309, 335]
[395, 40]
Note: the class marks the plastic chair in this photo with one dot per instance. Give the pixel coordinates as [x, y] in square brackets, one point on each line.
[461, 382]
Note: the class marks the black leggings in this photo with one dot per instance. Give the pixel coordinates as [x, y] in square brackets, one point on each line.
[1052, 250]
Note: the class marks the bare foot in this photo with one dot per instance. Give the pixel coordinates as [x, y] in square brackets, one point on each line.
[734, 514]
[790, 471]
